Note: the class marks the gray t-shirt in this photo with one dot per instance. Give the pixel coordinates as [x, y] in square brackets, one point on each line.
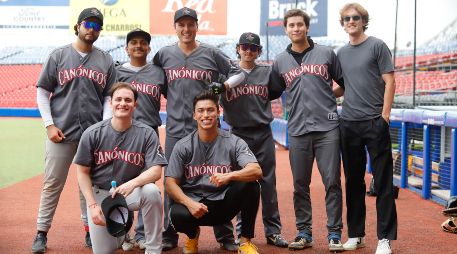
[363, 66]
[188, 76]
[78, 85]
[119, 156]
[193, 162]
[149, 82]
[310, 100]
[248, 105]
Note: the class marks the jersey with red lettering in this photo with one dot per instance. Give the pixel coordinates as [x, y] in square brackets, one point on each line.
[188, 76]
[77, 85]
[310, 100]
[193, 162]
[119, 156]
[149, 82]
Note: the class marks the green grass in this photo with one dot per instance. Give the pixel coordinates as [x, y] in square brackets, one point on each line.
[21, 149]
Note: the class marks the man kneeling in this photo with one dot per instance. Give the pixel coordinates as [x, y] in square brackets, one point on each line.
[211, 177]
[128, 152]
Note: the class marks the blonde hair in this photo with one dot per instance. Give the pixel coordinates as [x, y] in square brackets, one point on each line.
[359, 8]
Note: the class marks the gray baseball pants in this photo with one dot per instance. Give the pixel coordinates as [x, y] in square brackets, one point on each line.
[147, 198]
[260, 141]
[325, 148]
[223, 232]
[58, 159]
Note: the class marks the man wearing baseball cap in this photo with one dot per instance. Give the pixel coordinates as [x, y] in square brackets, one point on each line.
[148, 80]
[203, 64]
[65, 115]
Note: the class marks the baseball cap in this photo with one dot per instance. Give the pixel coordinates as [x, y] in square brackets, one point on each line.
[249, 38]
[90, 12]
[185, 12]
[118, 217]
[138, 32]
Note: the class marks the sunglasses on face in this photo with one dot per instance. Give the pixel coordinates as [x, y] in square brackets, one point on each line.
[89, 24]
[355, 18]
[251, 47]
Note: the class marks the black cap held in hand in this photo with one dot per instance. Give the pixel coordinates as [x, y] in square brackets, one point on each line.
[185, 12]
[89, 13]
[118, 217]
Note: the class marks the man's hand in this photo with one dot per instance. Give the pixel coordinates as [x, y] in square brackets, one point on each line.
[197, 209]
[97, 215]
[386, 118]
[55, 134]
[125, 189]
[220, 179]
[217, 88]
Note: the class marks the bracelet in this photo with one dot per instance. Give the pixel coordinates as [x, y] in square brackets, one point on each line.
[92, 205]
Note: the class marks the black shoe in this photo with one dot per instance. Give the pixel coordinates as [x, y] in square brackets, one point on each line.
[168, 245]
[277, 240]
[87, 240]
[39, 244]
[233, 247]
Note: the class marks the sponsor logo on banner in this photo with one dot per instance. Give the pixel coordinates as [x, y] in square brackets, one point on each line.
[119, 16]
[273, 11]
[212, 15]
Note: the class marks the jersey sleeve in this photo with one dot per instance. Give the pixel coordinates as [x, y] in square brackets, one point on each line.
[175, 166]
[156, 59]
[111, 79]
[276, 84]
[84, 154]
[243, 154]
[223, 62]
[154, 153]
[335, 69]
[384, 58]
[48, 75]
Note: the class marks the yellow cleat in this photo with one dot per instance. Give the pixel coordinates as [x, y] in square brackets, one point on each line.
[191, 245]
[247, 248]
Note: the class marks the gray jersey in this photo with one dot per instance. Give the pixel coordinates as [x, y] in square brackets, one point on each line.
[363, 66]
[248, 105]
[187, 77]
[193, 162]
[78, 85]
[119, 156]
[310, 100]
[149, 83]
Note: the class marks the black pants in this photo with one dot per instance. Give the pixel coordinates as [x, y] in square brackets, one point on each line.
[240, 197]
[374, 134]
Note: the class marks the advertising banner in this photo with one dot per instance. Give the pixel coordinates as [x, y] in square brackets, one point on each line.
[272, 15]
[212, 16]
[120, 16]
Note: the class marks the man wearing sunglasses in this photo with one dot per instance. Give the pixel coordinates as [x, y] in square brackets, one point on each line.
[368, 95]
[190, 67]
[306, 71]
[71, 93]
[148, 79]
[247, 109]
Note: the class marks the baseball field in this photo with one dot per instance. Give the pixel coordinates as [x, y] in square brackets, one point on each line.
[22, 159]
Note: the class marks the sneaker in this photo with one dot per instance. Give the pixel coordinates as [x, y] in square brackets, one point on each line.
[168, 245]
[383, 247]
[335, 244]
[232, 247]
[39, 244]
[140, 244]
[191, 245]
[88, 242]
[354, 243]
[277, 240]
[128, 243]
[302, 241]
[247, 248]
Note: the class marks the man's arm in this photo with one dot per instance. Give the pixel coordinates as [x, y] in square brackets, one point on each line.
[150, 175]
[389, 94]
[251, 172]
[85, 184]
[338, 91]
[175, 192]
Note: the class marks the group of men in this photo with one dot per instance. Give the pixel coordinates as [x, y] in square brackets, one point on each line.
[105, 118]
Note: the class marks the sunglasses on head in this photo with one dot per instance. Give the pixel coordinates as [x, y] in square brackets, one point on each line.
[90, 24]
[251, 47]
[355, 18]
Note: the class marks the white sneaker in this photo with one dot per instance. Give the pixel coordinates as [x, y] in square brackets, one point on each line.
[140, 244]
[383, 247]
[354, 243]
